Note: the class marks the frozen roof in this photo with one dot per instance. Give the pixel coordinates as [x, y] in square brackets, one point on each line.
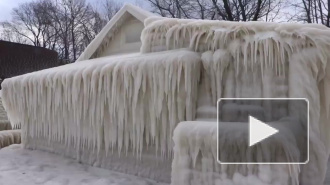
[209, 35]
[108, 30]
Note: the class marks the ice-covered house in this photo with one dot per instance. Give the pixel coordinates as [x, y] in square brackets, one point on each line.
[153, 113]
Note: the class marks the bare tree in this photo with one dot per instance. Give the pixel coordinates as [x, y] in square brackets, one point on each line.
[311, 11]
[232, 10]
[7, 35]
[66, 26]
[110, 8]
[173, 8]
[31, 23]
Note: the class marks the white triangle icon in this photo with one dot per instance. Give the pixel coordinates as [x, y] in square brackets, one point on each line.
[259, 131]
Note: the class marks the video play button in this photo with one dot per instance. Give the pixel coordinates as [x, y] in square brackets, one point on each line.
[259, 131]
[263, 131]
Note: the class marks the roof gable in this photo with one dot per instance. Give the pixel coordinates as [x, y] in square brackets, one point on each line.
[108, 31]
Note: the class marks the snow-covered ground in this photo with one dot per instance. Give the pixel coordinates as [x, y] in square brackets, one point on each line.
[31, 167]
[28, 167]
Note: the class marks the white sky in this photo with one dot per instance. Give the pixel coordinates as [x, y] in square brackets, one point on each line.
[6, 6]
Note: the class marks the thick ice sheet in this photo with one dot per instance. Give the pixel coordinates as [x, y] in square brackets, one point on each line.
[33, 167]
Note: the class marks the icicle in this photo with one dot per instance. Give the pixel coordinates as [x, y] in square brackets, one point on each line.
[106, 103]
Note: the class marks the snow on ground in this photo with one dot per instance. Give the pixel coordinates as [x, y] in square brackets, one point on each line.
[31, 167]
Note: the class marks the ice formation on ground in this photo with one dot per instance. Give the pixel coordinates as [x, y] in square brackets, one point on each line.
[34, 167]
[128, 104]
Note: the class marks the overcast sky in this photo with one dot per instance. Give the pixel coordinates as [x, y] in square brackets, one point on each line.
[6, 6]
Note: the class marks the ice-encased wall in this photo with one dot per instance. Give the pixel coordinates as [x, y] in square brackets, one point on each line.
[236, 55]
[195, 160]
[302, 77]
[258, 60]
[112, 103]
